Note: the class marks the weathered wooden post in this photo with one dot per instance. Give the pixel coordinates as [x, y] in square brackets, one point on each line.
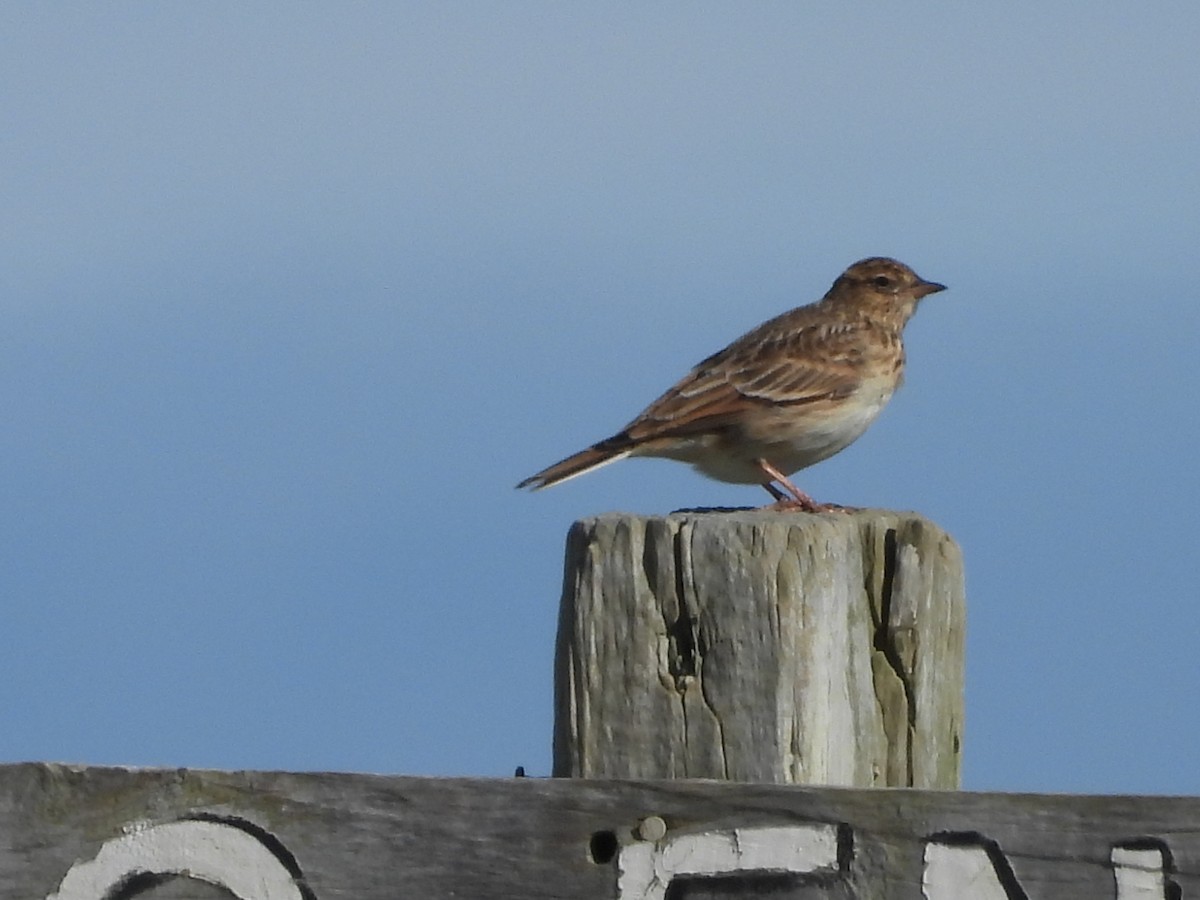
[761, 646]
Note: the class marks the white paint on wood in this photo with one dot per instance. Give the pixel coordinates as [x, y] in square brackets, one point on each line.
[646, 870]
[214, 852]
[1139, 874]
[954, 872]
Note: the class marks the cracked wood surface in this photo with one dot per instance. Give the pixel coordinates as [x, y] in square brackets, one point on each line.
[761, 646]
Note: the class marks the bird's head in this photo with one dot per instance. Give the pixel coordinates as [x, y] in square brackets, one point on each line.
[882, 286]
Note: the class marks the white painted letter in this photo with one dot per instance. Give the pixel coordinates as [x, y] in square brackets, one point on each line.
[216, 852]
[646, 869]
[1139, 874]
[961, 872]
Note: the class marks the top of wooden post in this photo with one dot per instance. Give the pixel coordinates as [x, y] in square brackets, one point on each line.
[764, 646]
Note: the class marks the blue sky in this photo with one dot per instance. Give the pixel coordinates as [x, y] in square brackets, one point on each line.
[293, 296]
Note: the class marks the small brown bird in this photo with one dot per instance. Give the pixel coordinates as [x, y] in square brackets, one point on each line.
[790, 393]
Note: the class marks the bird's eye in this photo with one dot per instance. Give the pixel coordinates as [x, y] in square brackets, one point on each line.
[881, 281]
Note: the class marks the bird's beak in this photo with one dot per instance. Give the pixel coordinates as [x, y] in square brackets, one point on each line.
[925, 288]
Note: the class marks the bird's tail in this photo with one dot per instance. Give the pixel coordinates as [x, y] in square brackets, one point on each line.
[593, 457]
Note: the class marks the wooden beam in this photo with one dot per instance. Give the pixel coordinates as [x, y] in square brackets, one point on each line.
[107, 834]
[761, 646]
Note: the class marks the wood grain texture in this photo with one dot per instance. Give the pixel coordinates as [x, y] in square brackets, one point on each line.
[761, 646]
[374, 837]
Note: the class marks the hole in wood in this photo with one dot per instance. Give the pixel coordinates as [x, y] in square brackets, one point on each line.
[603, 847]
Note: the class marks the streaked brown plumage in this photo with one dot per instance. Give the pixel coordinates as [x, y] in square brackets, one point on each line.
[792, 392]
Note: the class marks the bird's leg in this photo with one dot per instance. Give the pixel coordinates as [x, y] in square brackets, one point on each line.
[794, 498]
[774, 491]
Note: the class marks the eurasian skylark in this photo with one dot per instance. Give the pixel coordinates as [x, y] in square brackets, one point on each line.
[790, 393]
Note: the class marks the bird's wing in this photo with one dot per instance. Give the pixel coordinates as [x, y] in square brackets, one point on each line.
[781, 363]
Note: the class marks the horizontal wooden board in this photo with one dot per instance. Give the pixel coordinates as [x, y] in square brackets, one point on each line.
[70, 833]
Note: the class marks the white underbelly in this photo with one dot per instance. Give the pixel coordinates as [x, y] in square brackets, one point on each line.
[791, 439]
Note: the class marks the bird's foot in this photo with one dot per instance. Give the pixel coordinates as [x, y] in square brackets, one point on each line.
[792, 504]
[792, 499]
